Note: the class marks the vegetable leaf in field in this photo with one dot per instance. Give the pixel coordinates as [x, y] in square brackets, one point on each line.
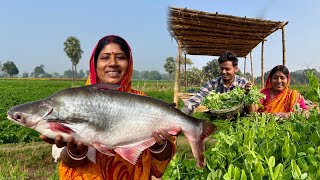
[313, 93]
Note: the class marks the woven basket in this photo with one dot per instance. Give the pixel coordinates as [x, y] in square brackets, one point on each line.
[228, 113]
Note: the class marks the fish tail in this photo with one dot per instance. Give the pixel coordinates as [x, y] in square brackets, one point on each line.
[197, 145]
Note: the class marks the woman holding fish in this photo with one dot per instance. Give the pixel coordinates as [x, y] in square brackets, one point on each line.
[111, 62]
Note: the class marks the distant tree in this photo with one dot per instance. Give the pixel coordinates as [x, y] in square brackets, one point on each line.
[73, 50]
[144, 75]
[10, 68]
[185, 65]
[25, 75]
[212, 69]
[56, 75]
[186, 61]
[169, 66]
[195, 77]
[248, 76]
[165, 76]
[2, 74]
[87, 72]
[38, 70]
[81, 74]
[239, 72]
[47, 75]
[135, 75]
[155, 75]
[68, 74]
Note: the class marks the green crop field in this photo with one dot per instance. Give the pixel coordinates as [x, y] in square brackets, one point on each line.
[253, 147]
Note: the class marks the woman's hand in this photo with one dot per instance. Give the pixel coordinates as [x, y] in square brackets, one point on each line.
[58, 140]
[162, 150]
[77, 150]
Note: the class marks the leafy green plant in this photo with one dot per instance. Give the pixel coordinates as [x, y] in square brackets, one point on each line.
[313, 92]
[262, 146]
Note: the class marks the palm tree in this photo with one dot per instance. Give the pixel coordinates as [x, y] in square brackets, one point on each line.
[73, 51]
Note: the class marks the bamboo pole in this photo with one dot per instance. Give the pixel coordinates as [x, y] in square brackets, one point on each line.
[251, 67]
[185, 72]
[283, 47]
[244, 68]
[177, 79]
[262, 63]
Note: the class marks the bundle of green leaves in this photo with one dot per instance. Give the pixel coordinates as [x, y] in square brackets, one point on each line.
[237, 96]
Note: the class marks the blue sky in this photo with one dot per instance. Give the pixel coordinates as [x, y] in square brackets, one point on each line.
[33, 32]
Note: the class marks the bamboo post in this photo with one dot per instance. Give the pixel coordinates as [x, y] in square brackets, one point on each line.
[244, 68]
[185, 72]
[251, 67]
[262, 63]
[177, 79]
[283, 47]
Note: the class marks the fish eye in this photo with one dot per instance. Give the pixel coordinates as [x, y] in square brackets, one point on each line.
[17, 116]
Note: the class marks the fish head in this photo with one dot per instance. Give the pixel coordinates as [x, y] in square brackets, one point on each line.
[29, 114]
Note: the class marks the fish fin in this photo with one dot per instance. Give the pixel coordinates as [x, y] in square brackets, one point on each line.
[105, 86]
[55, 126]
[197, 145]
[91, 154]
[103, 149]
[48, 113]
[174, 131]
[132, 152]
[208, 128]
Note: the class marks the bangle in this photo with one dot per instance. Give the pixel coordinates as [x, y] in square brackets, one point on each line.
[77, 157]
[158, 151]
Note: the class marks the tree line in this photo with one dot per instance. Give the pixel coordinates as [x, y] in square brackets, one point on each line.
[194, 77]
[73, 50]
[190, 76]
[9, 69]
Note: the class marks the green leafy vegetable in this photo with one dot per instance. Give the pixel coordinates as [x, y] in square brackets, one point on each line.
[215, 101]
[313, 92]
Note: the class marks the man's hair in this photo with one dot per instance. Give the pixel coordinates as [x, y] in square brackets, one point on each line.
[228, 56]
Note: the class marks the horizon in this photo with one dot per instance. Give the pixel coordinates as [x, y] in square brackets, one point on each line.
[33, 33]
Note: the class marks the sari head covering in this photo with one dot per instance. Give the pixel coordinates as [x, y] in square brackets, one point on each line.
[283, 101]
[115, 167]
[126, 82]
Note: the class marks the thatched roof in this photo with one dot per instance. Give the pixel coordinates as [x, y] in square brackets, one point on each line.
[202, 33]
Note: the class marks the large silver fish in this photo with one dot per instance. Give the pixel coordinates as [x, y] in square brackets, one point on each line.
[106, 119]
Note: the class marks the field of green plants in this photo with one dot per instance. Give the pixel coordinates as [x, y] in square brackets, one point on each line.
[253, 147]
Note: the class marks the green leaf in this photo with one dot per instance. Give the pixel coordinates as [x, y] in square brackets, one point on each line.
[296, 172]
[243, 175]
[304, 175]
[271, 162]
[236, 173]
[278, 170]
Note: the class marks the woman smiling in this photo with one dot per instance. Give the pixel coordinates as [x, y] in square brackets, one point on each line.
[280, 99]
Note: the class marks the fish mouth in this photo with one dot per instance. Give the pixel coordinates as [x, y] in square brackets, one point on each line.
[15, 120]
